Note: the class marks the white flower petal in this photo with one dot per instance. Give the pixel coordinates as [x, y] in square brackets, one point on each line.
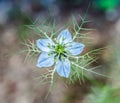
[63, 68]
[64, 37]
[43, 44]
[45, 60]
[75, 48]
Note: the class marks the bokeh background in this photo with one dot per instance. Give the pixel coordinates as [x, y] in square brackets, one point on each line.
[17, 79]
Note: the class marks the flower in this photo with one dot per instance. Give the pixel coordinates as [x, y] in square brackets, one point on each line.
[58, 52]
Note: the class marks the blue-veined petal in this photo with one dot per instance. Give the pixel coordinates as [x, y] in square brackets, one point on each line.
[75, 48]
[44, 44]
[63, 68]
[64, 37]
[45, 60]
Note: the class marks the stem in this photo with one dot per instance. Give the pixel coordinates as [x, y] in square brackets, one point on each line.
[51, 83]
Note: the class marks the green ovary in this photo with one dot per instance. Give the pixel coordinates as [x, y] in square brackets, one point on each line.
[59, 49]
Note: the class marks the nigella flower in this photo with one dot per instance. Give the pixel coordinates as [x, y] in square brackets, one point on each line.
[57, 52]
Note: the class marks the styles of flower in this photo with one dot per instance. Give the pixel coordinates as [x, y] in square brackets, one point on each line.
[57, 52]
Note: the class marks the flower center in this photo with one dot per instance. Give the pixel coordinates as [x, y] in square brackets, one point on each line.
[59, 49]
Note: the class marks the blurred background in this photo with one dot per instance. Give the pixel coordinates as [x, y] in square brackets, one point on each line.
[17, 83]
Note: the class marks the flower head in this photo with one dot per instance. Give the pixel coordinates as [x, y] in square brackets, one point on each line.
[58, 52]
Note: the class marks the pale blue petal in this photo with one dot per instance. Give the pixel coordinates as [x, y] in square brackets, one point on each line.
[64, 37]
[63, 68]
[45, 60]
[75, 48]
[44, 44]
